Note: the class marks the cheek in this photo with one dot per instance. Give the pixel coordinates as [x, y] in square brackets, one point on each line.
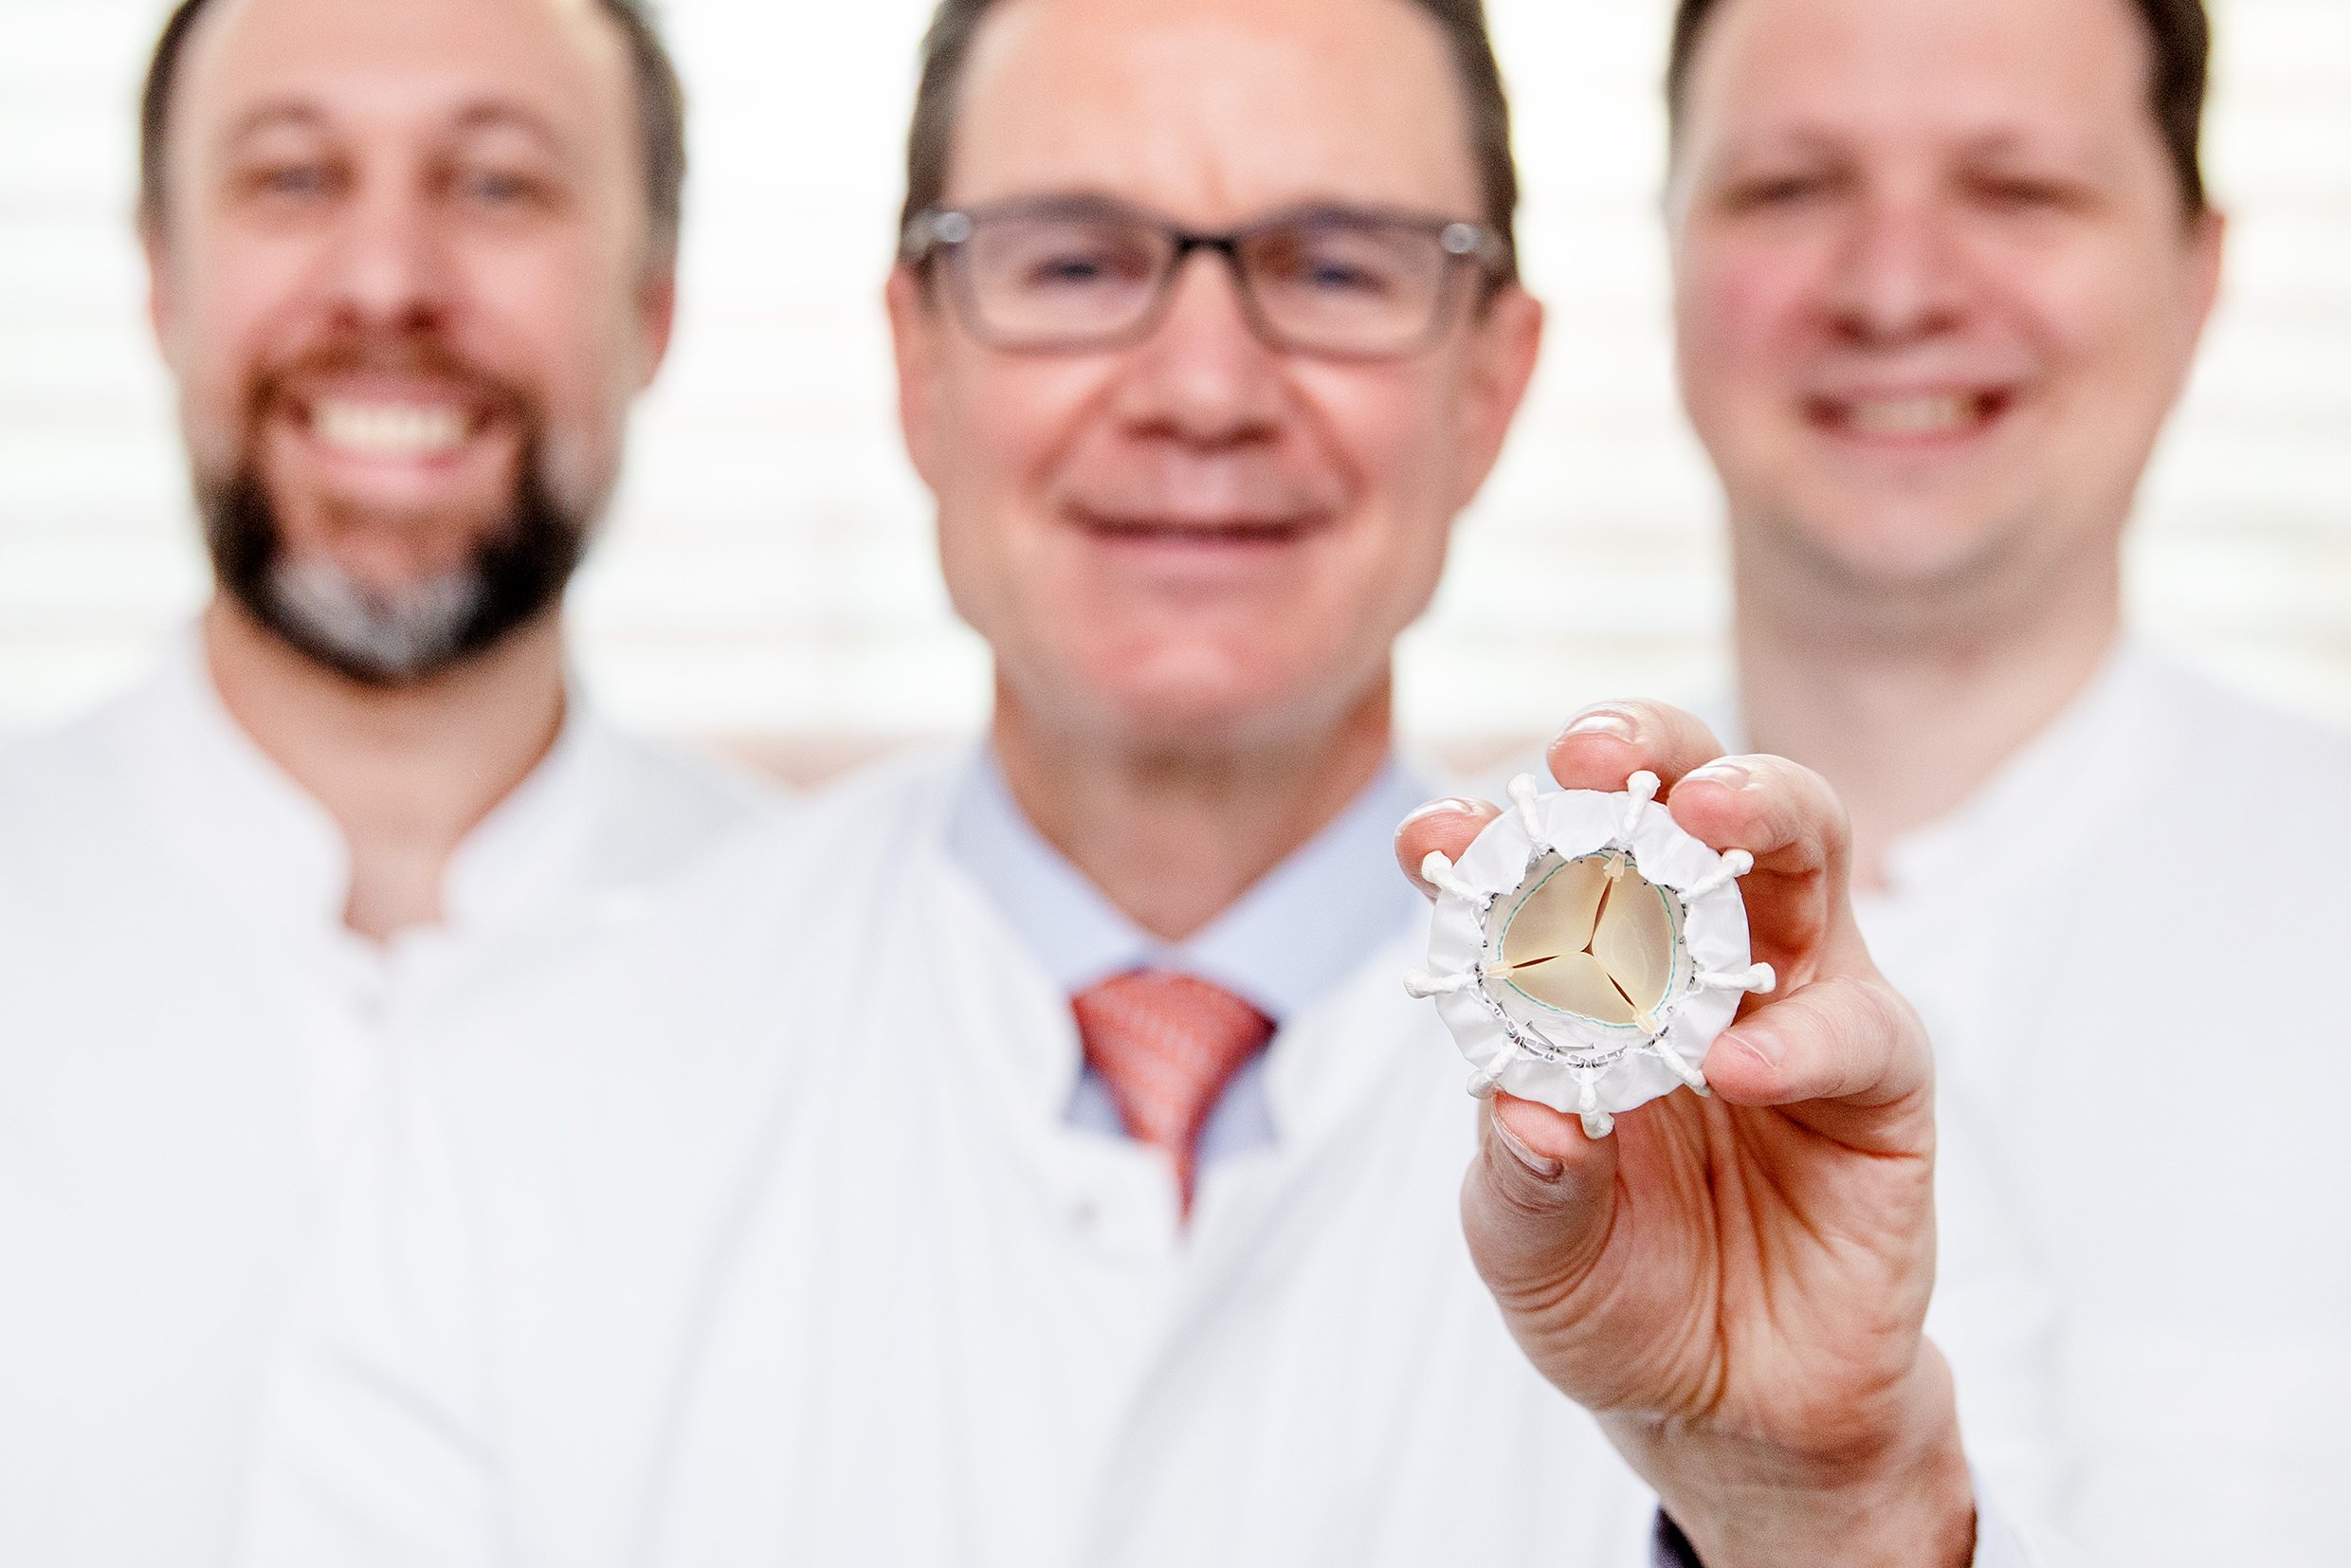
[1011, 422]
[1398, 441]
[557, 320]
[1393, 433]
[1741, 313]
[2096, 316]
[1003, 426]
[238, 305]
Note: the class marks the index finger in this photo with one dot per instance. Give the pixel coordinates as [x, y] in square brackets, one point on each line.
[1608, 742]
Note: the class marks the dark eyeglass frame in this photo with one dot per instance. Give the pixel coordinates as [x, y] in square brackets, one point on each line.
[936, 232]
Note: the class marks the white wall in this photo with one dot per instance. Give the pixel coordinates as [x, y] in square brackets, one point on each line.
[768, 569]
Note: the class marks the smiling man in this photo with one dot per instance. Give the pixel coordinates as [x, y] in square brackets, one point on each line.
[1941, 266]
[410, 265]
[1032, 1157]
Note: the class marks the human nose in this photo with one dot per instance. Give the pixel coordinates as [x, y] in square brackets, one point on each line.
[1203, 375]
[1901, 273]
[387, 267]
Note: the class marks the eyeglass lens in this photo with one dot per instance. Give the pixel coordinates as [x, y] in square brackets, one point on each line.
[1357, 285]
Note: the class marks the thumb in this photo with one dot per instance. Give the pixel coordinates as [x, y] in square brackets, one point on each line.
[1538, 1203]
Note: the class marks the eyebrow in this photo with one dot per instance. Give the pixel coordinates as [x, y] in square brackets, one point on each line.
[491, 114]
[271, 116]
[481, 116]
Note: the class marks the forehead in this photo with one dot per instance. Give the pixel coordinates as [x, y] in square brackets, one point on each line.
[2074, 71]
[561, 61]
[1214, 110]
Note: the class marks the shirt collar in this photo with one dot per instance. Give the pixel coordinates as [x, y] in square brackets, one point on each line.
[2044, 798]
[227, 807]
[1294, 936]
[2034, 800]
[220, 803]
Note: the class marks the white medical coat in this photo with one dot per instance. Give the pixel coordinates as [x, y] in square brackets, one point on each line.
[761, 1236]
[185, 1023]
[2131, 948]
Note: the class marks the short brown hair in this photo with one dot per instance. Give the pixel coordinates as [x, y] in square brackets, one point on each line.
[661, 116]
[2180, 30]
[947, 47]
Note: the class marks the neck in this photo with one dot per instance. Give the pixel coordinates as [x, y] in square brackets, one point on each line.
[1174, 834]
[405, 773]
[1908, 708]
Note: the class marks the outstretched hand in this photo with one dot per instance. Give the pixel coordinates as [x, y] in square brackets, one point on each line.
[1736, 1285]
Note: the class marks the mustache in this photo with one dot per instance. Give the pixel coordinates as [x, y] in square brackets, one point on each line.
[423, 356]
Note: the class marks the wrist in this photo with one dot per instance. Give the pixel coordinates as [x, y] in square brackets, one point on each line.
[1899, 1497]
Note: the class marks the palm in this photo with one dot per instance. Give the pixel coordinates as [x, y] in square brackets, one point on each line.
[1748, 1258]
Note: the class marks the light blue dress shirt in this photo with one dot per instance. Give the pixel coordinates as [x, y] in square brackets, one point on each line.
[1298, 932]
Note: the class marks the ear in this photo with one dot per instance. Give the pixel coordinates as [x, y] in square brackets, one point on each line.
[2207, 241]
[160, 307]
[1505, 341]
[918, 341]
[657, 318]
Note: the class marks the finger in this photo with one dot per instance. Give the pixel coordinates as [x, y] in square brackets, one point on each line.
[1846, 1044]
[1536, 1203]
[1779, 811]
[1791, 822]
[1608, 742]
[1448, 826]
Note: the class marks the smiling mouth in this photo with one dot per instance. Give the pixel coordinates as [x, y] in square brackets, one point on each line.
[1197, 531]
[1917, 417]
[395, 430]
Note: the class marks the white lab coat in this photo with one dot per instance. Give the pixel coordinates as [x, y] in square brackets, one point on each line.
[2131, 949]
[184, 1026]
[762, 1236]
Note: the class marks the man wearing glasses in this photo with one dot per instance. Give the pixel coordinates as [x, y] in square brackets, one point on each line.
[1032, 1157]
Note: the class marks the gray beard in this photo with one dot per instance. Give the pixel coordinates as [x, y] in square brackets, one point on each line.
[398, 639]
[406, 635]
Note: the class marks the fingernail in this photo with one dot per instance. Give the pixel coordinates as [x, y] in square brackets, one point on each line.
[1601, 721]
[1727, 773]
[1543, 1166]
[1454, 804]
[1763, 1045]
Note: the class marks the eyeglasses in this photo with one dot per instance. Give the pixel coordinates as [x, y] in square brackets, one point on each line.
[1074, 275]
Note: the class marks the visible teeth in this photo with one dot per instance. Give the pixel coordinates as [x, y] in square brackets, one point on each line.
[1911, 416]
[388, 429]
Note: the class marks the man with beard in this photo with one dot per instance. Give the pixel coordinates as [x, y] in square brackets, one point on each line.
[1032, 1157]
[1941, 266]
[410, 265]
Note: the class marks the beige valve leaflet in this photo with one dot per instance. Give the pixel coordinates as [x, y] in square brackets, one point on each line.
[1586, 951]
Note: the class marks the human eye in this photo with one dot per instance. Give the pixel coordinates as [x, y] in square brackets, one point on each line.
[291, 181]
[2024, 191]
[494, 186]
[1341, 262]
[1336, 271]
[282, 172]
[1779, 189]
[1067, 258]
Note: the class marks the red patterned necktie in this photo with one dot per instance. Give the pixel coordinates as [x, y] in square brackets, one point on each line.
[1166, 1045]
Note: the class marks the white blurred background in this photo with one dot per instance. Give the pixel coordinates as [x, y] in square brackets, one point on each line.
[767, 576]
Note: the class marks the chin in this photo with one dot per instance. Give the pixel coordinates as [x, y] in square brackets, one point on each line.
[1900, 547]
